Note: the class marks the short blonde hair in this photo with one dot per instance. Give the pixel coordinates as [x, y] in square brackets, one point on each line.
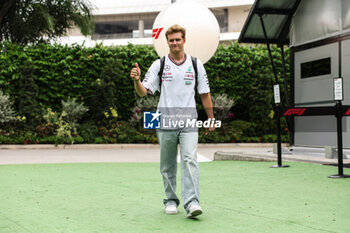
[174, 29]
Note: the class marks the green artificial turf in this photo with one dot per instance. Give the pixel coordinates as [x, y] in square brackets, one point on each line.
[127, 197]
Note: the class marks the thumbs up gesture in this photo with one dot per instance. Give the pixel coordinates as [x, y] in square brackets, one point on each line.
[135, 72]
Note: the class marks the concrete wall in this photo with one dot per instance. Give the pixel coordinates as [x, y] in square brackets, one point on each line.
[236, 17]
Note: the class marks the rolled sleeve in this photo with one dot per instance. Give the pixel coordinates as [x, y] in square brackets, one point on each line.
[203, 82]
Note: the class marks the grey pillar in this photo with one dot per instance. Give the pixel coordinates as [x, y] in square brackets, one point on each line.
[141, 28]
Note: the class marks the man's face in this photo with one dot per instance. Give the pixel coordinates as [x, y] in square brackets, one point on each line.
[176, 42]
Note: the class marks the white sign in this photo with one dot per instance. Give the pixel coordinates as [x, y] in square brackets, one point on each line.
[338, 88]
[276, 93]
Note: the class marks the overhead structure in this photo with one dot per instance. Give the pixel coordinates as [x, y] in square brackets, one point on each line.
[276, 15]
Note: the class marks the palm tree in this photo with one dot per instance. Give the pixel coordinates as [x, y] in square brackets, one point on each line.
[30, 21]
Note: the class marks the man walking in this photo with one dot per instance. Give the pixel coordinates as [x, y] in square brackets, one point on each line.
[177, 85]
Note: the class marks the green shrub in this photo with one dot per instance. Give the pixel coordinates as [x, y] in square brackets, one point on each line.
[245, 75]
[7, 113]
[64, 124]
[147, 103]
[41, 76]
[88, 132]
[221, 105]
[105, 90]
[26, 96]
[72, 110]
[244, 127]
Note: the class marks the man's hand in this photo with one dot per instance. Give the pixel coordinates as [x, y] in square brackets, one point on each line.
[210, 129]
[208, 106]
[135, 72]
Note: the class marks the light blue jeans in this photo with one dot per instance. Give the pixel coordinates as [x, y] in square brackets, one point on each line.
[188, 140]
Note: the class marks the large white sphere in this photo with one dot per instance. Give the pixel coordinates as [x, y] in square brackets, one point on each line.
[202, 29]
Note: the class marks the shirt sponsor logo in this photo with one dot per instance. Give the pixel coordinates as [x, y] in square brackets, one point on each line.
[167, 77]
[167, 68]
[189, 76]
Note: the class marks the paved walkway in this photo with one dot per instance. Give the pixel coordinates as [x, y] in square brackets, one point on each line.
[92, 153]
[301, 154]
[33, 154]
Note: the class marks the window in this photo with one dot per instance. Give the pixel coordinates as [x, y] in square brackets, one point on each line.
[315, 68]
[221, 16]
[122, 29]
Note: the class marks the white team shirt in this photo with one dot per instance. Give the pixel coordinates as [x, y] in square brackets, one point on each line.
[178, 82]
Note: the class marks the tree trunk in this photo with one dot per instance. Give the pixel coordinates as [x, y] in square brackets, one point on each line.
[4, 8]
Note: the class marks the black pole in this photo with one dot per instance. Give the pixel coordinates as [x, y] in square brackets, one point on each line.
[279, 141]
[339, 115]
[268, 48]
[284, 75]
[289, 120]
[340, 138]
[278, 108]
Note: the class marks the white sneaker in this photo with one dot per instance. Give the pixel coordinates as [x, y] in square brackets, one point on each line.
[194, 211]
[171, 209]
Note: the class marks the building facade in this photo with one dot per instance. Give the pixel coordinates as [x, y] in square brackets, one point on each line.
[131, 21]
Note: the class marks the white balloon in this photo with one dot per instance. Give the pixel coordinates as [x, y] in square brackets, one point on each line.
[202, 29]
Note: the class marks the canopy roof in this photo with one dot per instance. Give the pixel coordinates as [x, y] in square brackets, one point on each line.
[277, 17]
